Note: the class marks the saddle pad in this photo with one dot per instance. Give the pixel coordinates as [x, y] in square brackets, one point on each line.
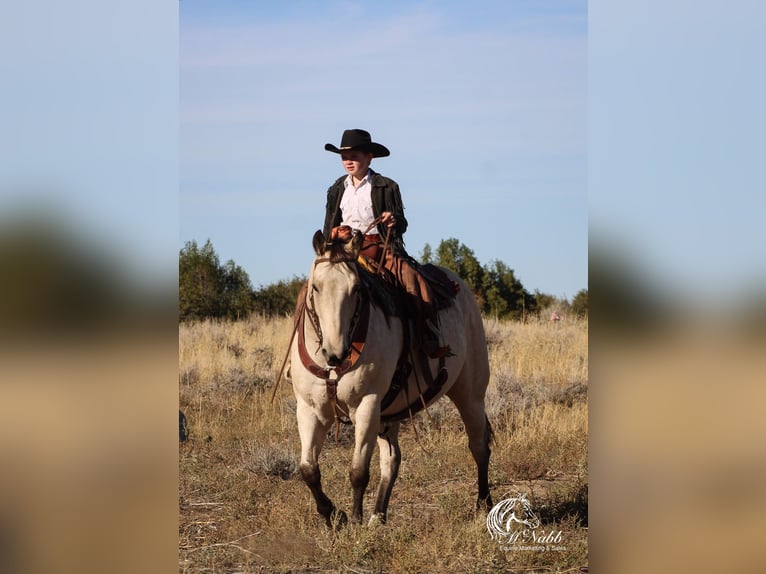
[444, 288]
[383, 292]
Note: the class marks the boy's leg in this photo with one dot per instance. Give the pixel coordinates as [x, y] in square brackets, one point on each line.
[422, 303]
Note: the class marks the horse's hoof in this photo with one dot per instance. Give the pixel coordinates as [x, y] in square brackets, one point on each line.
[377, 519]
[338, 519]
[484, 504]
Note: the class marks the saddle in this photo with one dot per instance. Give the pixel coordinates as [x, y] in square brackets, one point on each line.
[383, 289]
[389, 296]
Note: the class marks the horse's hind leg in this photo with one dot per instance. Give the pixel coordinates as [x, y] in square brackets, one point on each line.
[484, 500]
[313, 433]
[390, 457]
[479, 436]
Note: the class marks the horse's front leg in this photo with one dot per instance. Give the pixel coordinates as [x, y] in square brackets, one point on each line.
[390, 457]
[367, 424]
[313, 432]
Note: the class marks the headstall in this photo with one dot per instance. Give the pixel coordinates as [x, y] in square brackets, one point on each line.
[357, 337]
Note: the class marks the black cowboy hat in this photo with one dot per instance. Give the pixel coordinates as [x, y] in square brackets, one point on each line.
[359, 140]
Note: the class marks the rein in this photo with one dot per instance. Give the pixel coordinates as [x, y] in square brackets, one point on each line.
[374, 223]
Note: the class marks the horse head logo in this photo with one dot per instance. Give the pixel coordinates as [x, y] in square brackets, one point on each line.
[508, 513]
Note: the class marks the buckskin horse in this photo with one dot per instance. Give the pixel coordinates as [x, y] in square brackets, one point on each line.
[347, 359]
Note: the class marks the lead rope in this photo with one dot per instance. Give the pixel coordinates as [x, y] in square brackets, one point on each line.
[287, 354]
[385, 248]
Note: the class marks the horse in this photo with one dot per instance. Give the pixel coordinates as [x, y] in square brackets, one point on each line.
[344, 360]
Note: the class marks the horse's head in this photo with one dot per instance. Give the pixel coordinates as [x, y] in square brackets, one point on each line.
[335, 293]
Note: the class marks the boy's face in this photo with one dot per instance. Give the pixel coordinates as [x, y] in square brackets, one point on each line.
[356, 162]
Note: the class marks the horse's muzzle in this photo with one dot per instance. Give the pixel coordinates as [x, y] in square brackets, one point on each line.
[334, 360]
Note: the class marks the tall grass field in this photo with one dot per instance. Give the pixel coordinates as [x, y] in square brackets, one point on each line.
[244, 507]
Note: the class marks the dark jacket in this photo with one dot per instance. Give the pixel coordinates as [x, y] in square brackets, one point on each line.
[385, 197]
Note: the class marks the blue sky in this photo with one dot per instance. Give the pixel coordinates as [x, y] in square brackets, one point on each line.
[483, 106]
[144, 133]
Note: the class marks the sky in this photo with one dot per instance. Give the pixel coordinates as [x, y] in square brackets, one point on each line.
[522, 129]
[483, 106]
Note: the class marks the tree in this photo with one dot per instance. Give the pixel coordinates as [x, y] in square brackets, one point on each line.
[457, 257]
[580, 303]
[495, 286]
[505, 296]
[278, 298]
[208, 289]
[547, 302]
[236, 291]
[199, 281]
[427, 255]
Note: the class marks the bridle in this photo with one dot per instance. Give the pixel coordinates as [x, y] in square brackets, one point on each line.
[312, 314]
[357, 335]
[358, 328]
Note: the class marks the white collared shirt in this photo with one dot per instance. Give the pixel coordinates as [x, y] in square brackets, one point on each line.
[356, 205]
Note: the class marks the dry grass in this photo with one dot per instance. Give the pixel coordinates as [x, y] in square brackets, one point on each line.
[244, 507]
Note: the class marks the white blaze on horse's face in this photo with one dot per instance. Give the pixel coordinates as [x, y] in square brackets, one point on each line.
[335, 294]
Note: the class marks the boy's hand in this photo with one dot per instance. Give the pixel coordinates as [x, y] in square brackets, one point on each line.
[387, 218]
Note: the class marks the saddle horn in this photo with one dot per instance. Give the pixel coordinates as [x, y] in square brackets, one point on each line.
[357, 241]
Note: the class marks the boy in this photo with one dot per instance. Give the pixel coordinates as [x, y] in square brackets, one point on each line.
[360, 197]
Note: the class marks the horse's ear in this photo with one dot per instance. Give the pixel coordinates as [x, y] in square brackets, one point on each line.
[319, 242]
[356, 243]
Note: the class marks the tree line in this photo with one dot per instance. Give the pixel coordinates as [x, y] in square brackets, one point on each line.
[207, 288]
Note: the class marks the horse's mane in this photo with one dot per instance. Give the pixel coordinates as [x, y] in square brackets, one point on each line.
[339, 252]
[345, 249]
[339, 248]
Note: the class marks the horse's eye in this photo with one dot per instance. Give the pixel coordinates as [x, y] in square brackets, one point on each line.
[315, 288]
